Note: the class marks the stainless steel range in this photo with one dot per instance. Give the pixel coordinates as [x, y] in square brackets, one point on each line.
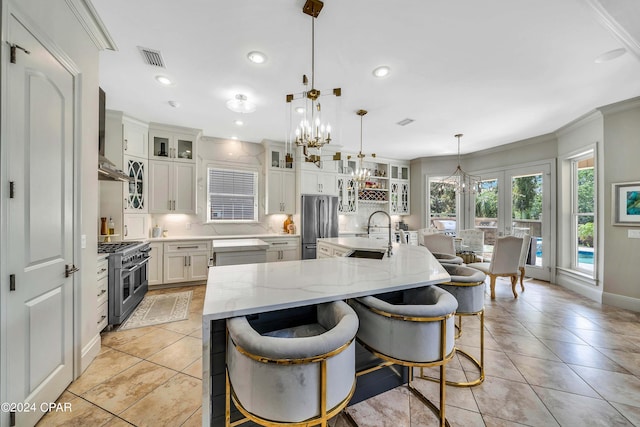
[128, 277]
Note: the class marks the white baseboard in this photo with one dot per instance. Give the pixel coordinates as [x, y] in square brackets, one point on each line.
[579, 286]
[621, 301]
[89, 352]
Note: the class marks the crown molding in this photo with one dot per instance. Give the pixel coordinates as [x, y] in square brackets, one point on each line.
[612, 24]
[93, 25]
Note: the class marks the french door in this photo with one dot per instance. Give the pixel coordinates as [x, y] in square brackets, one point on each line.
[516, 201]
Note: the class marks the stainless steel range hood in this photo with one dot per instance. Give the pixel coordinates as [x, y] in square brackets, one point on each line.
[107, 171]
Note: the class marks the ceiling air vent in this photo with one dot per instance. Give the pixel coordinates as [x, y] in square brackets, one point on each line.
[405, 122]
[152, 57]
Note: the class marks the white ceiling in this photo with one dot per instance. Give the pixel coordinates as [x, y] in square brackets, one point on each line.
[498, 71]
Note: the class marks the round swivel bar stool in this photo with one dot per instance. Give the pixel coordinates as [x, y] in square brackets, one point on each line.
[299, 376]
[467, 286]
[413, 328]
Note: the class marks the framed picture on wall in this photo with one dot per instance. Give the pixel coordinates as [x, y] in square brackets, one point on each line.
[625, 203]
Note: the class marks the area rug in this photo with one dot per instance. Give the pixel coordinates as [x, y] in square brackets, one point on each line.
[157, 309]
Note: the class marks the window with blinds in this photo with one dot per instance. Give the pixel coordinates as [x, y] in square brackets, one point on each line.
[232, 195]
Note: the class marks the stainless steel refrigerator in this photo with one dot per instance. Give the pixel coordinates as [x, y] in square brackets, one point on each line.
[319, 219]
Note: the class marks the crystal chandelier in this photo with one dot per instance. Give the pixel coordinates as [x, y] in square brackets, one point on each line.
[313, 131]
[362, 174]
[462, 181]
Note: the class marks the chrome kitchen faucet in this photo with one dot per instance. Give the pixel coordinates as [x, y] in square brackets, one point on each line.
[389, 253]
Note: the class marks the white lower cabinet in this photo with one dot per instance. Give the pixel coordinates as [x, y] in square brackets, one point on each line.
[186, 261]
[102, 294]
[326, 250]
[282, 248]
[156, 263]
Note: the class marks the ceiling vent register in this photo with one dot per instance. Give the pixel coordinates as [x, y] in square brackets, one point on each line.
[152, 57]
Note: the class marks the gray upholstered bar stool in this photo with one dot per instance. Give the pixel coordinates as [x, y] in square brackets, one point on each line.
[299, 376]
[447, 258]
[467, 286]
[413, 328]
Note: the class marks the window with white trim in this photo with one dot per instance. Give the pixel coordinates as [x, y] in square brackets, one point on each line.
[232, 195]
[583, 216]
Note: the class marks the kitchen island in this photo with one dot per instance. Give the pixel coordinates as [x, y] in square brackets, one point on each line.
[269, 288]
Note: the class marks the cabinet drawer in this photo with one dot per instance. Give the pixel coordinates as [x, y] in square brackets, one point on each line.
[340, 252]
[186, 246]
[102, 291]
[102, 316]
[103, 269]
[324, 250]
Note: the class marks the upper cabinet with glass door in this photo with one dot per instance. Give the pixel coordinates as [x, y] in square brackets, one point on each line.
[278, 156]
[172, 143]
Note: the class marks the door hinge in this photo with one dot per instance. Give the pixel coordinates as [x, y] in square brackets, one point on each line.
[12, 189]
[12, 418]
[12, 282]
[13, 52]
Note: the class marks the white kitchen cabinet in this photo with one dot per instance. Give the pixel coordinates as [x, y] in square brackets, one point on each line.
[172, 143]
[118, 199]
[399, 190]
[327, 250]
[347, 194]
[156, 263]
[172, 187]
[282, 248]
[125, 135]
[186, 261]
[102, 294]
[276, 156]
[281, 192]
[318, 182]
[135, 227]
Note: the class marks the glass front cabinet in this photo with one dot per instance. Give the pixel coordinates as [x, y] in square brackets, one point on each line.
[347, 194]
[136, 191]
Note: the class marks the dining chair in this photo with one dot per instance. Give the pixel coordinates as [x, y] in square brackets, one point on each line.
[505, 262]
[440, 243]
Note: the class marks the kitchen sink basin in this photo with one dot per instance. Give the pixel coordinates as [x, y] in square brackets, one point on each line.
[359, 253]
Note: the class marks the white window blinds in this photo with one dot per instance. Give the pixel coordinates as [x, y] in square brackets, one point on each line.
[233, 195]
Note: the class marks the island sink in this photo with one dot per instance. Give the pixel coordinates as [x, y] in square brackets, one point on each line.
[359, 253]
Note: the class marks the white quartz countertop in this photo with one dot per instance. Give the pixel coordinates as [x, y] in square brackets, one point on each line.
[238, 290]
[358, 243]
[220, 237]
[235, 245]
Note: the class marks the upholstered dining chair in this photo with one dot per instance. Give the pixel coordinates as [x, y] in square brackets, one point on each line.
[440, 243]
[505, 262]
[526, 243]
[425, 231]
[473, 240]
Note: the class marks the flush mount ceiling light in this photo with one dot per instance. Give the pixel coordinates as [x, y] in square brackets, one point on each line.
[240, 104]
[362, 174]
[164, 80]
[381, 71]
[257, 57]
[460, 180]
[610, 55]
[314, 130]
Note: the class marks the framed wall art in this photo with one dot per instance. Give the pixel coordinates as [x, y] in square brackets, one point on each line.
[625, 207]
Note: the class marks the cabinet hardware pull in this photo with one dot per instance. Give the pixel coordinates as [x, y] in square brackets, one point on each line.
[188, 247]
[189, 260]
[184, 260]
[126, 145]
[102, 292]
[101, 319]
[126, 230]
[279, 243]
[69, 269]
[169, 204]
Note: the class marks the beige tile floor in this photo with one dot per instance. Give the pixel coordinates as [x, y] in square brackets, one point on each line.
[552, 357]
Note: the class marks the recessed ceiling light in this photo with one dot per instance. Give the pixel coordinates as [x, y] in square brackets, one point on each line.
[381, 71]
[610, 55]
[240, 104]
[300, 110]
[238, 122]
[163, 80]
[257, 57]
[234, 137]
[174, 104]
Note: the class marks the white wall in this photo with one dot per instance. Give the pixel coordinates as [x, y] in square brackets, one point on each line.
[621, 155]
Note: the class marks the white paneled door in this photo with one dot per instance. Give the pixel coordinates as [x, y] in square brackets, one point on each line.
[40, 221]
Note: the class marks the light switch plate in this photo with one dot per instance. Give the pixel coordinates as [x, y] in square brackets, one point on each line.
[633, 234]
